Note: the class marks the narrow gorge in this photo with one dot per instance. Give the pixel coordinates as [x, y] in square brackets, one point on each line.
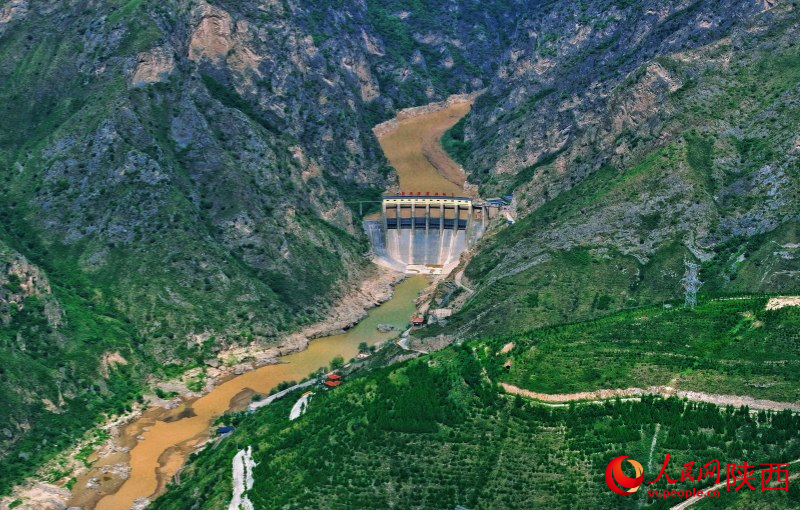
[202, 200]
[136, 463]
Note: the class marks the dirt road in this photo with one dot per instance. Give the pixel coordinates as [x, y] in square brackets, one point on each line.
[665, 391]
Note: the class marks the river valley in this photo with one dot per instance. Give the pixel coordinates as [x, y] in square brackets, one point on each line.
[153, 448]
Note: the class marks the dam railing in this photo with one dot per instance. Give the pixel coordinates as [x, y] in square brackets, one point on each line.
[430, 212]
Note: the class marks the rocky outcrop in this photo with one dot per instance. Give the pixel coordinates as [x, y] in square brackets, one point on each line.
[13, 10]
[153, 66]
[20, 280]
[212, 37]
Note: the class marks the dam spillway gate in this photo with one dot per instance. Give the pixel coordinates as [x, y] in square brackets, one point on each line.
[425, 233]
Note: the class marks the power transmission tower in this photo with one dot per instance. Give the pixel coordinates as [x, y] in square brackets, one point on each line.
[691, 282]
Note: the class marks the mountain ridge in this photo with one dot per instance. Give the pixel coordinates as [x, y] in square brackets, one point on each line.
[182, 173]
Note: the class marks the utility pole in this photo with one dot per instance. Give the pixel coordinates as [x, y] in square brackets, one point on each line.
[691, 282]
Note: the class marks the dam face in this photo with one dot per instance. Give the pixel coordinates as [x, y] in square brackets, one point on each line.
[425, 234]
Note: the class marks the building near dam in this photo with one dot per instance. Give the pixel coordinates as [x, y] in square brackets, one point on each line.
[425, 233]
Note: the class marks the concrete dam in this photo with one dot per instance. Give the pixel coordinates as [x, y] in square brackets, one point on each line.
[425, 233]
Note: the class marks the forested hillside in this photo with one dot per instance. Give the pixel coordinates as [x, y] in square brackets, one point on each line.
[438, 431]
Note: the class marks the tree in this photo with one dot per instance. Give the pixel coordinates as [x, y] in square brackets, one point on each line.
[337, 363]
[363, 347]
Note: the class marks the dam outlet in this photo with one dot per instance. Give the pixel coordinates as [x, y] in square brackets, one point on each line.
[425, 234]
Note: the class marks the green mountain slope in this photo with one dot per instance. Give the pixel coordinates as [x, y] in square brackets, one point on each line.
[182, 171]
[682, 153]
[69, 361]
[438, 431]
[731, 346]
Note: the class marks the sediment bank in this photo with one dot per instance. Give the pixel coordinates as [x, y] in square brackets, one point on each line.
[111, 459]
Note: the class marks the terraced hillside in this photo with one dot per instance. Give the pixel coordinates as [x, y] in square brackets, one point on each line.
[438, 431]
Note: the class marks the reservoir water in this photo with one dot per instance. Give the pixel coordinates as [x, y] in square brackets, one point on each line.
[414, 151]
[412, 145]
[161, 440]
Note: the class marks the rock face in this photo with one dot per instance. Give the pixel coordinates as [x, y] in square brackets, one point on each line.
[153, 66]
[11, 11]
[180, 177]
[213, 35]
[19, 280]
[644, 156]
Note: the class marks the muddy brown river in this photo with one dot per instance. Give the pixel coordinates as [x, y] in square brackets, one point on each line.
[161, 440]
[414, 150]
[168, 437]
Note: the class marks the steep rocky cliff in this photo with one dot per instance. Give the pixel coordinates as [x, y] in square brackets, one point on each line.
[634, 136]
[179, 175]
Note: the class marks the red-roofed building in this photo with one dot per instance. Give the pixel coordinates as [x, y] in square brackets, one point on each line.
[334, 377]
[332, 384]
[417, 320]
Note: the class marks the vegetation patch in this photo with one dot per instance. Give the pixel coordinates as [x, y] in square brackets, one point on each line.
[437, 431]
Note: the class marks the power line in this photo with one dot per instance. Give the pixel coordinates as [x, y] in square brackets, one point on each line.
[691, 282]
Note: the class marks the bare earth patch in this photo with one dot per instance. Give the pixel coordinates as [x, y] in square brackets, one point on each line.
[780, 302]
[666, 391]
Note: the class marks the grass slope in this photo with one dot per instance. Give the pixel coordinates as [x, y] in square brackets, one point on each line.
[53, 378]
[708, 170]
[731, 346]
